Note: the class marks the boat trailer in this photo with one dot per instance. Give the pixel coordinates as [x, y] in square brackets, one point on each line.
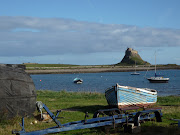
[134, 118]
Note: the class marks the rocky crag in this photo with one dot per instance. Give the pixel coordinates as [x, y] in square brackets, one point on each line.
[132, 56]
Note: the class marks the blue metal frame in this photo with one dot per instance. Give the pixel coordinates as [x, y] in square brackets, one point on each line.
[178, 120]
[134, 117]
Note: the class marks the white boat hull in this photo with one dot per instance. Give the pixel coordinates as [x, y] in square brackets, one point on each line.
[135, 73]
[158, 80]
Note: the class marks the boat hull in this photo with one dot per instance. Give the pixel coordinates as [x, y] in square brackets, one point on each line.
[78, 80]
[135, 73]
[158, 80]
[124, 96]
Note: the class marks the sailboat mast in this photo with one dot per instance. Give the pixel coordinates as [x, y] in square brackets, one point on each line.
[155, 63]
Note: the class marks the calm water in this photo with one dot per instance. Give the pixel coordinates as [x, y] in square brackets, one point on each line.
[99, 82]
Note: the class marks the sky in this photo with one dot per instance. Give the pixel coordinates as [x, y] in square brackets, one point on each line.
[88, 32]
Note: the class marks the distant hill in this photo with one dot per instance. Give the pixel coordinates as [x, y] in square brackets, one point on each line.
[132, 56]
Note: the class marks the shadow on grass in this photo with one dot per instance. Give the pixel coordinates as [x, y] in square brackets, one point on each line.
[145, 130]
[158, 130]
[171, 105]
[90, 109]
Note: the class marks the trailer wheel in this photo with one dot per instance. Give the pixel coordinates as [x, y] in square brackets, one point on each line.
[107, 112]
[96, 115]
[99, 114]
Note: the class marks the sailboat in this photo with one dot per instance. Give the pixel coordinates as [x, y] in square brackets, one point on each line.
[135, 73]
[157, 78]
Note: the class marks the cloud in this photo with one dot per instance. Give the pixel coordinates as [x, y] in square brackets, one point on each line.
[30, 36]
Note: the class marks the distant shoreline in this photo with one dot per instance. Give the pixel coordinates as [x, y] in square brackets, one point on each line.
[95, 70]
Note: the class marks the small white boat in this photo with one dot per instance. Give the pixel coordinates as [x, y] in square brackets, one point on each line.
[158, 79]
[135, 73]
[78, 80]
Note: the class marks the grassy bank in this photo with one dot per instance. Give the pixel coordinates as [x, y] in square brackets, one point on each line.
[49, 65]
[75, 104]
[36, 66]
[69, 69]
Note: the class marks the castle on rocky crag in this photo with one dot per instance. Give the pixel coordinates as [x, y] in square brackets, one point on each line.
[132, 56]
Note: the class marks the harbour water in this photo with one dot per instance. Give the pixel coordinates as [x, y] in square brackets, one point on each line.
[99, 82]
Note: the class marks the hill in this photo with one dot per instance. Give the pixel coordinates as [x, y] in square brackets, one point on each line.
[132, 56]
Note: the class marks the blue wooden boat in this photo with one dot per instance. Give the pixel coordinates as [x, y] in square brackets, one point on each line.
[125, 96]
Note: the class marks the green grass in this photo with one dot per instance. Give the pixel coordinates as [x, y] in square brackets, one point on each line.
[131, 61]
[76, 100]
[50, 65]
[70, 66]
[169, 101]
[75, 104]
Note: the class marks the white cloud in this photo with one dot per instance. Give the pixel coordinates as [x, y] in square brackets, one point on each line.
[30, 36]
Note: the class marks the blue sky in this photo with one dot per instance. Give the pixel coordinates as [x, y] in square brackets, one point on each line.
[88, 32]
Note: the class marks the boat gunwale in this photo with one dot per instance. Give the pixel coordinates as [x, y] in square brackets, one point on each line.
[147, 90]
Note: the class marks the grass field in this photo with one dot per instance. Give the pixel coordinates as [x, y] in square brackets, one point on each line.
[75, 104]
[50, 65]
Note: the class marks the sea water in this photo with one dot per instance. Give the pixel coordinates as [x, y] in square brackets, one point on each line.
[99, 82]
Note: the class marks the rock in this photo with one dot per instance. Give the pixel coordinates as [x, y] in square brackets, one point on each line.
[132, 56]
[17, 91]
